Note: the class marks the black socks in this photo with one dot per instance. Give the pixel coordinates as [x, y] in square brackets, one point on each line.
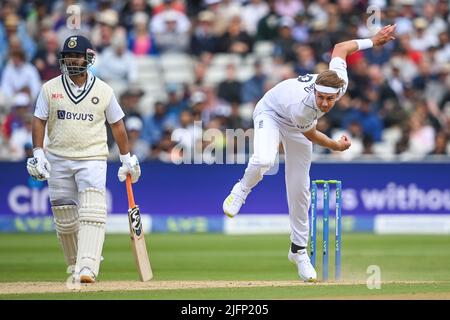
[295, 248]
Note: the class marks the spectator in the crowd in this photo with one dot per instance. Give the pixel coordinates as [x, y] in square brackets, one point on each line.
[229, 8]
[424, 109]
[421, 136]
[321, 40]
[230, 88]
[442, 54]
[254, 88]
[20, 137]
[443, 10]
[444, 103]
[368, 145]
[200, 70]
[395, 79]
[17, 116]
[197, 103]
[171, 31]
[406, 52]
[267, 28]
[234, 120]
[38, 14]
[67, 23]
[176, 103]
[235, 39]
[156, 123]
[140, 42]
[378, 55]
[441, 146]
[424, 76]
[164, 151]
[284, 45]
[317, 10]
[364, 114]
[188, 136]
[340, 112]
[214, 106]
[435, 23]
[47, 58]
[138, 146]
[422, 40]
[19, 75]
[103, 31]
[130, 8]
[305, 60]
[377, 82]
[203, 39]
[117, 63]
[220, 19]
[12, 27]
[324, 125]
[301, 29]
[177, 5]
[252, 13]
[405, 16]
[355, 132]
[288, 8]
[129, 101]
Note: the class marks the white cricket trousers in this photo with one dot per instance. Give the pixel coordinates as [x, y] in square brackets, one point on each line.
[268, 131]
[69, 177]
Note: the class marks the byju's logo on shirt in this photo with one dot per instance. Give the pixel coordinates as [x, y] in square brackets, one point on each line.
[67, 115]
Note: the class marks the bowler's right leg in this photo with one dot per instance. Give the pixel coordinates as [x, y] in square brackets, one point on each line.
[265, 149]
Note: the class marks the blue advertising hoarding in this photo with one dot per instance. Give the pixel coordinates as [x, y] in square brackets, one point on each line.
[169, 191]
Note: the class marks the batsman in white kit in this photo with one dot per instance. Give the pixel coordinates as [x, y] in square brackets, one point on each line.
[289, 112]
[75, 107]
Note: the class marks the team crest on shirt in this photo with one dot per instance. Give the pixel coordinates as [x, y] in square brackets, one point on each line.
[95, 100]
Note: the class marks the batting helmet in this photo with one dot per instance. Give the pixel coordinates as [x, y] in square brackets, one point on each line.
[80, 45]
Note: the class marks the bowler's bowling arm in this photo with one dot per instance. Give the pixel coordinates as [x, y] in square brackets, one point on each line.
[323, 140]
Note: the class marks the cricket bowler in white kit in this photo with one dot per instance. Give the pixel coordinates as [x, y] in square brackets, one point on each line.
[75, 106]
[289, 112]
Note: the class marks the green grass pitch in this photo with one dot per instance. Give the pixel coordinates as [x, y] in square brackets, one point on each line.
[411, 266]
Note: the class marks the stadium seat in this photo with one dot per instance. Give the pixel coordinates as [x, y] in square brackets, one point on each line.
[263, 49]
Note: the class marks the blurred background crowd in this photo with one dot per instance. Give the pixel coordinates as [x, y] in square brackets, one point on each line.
[174, 62]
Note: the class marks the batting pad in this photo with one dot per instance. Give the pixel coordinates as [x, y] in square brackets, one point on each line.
[92, 228]
[67, 225]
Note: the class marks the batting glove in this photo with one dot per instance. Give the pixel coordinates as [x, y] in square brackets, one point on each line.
[130, 165]
[38, 167]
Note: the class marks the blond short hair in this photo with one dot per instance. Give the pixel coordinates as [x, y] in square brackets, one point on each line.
[329, 78]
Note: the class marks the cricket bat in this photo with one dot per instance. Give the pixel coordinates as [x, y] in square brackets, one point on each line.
[137, 236]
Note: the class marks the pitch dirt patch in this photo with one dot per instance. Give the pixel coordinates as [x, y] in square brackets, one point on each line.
[60, 287]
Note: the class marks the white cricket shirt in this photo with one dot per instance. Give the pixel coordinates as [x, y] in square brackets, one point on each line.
[293, 102]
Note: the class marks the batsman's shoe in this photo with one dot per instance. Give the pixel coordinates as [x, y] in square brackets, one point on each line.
[70, 269]
[235, 200]
[87, 276]
[305, 269]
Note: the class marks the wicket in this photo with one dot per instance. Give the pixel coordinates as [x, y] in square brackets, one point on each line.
[338, 234]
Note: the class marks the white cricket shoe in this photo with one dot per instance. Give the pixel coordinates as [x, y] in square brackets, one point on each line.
[87, 276]
[70, 269]
[305, 269]
[235, 200]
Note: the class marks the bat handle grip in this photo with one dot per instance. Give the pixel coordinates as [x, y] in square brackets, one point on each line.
[131, 203]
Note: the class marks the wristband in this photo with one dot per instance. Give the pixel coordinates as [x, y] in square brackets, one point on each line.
[364, 44]
[38, 152]
[125, 157]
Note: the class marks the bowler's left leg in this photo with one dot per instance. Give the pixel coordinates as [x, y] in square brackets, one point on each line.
[298, 156]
